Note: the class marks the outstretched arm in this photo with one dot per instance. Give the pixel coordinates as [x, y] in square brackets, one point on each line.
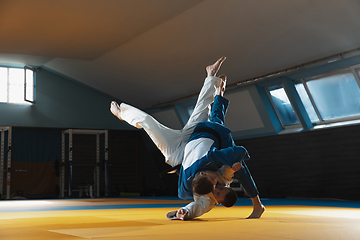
[200, 206]
[179, 214]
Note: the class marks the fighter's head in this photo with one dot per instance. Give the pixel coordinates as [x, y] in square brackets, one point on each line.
[225, 196]
[204, 182]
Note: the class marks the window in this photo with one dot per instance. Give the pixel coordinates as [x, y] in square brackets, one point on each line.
[330, 97]
[17, 85]
[283, 106]
[3, 84]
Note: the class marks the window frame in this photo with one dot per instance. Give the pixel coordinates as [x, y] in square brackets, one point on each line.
[34, 85]
[353, 70]
[330, 73]
[294, 126]
[321, 120]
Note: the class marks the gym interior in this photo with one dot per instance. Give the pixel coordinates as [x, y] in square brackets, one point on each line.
[71, 170]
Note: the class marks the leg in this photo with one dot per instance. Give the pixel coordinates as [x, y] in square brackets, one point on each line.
[206, 97]
[115, 109]
[258, 208]
[246, 180]
[201, 110]
[166, 139]
[172, 142]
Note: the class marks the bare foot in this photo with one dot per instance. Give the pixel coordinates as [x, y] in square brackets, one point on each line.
[115, 109]
[257, 212]
[214, 68]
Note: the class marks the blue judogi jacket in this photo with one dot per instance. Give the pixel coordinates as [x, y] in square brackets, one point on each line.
[222, 152]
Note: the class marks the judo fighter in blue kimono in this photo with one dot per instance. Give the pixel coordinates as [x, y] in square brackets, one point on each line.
[204, 148]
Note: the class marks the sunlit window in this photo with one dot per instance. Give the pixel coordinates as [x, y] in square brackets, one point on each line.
[331, 97]
[16, 85]
[283, 106]
[3, 84]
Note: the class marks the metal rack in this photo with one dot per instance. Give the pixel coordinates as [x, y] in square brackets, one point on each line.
[2, 161]
[70, 133]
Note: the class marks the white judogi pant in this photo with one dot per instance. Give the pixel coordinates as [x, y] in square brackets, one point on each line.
[172, 142]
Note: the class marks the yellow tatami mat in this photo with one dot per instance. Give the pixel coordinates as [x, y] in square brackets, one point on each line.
[116, 221]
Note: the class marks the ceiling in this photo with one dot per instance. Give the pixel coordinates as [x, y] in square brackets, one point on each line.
[150, 52]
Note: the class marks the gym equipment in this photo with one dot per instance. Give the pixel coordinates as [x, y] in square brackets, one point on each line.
[70, 133]
[2, 161]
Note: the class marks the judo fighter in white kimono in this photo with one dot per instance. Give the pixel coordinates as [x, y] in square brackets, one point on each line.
[203, 146]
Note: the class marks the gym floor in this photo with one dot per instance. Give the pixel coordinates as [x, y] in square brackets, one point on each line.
[144, 218]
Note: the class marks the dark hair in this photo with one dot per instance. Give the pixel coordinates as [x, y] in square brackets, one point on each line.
[230, 198]
[202, 185]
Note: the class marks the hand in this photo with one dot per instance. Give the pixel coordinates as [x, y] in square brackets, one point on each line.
[236, 166]
[181, 214]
